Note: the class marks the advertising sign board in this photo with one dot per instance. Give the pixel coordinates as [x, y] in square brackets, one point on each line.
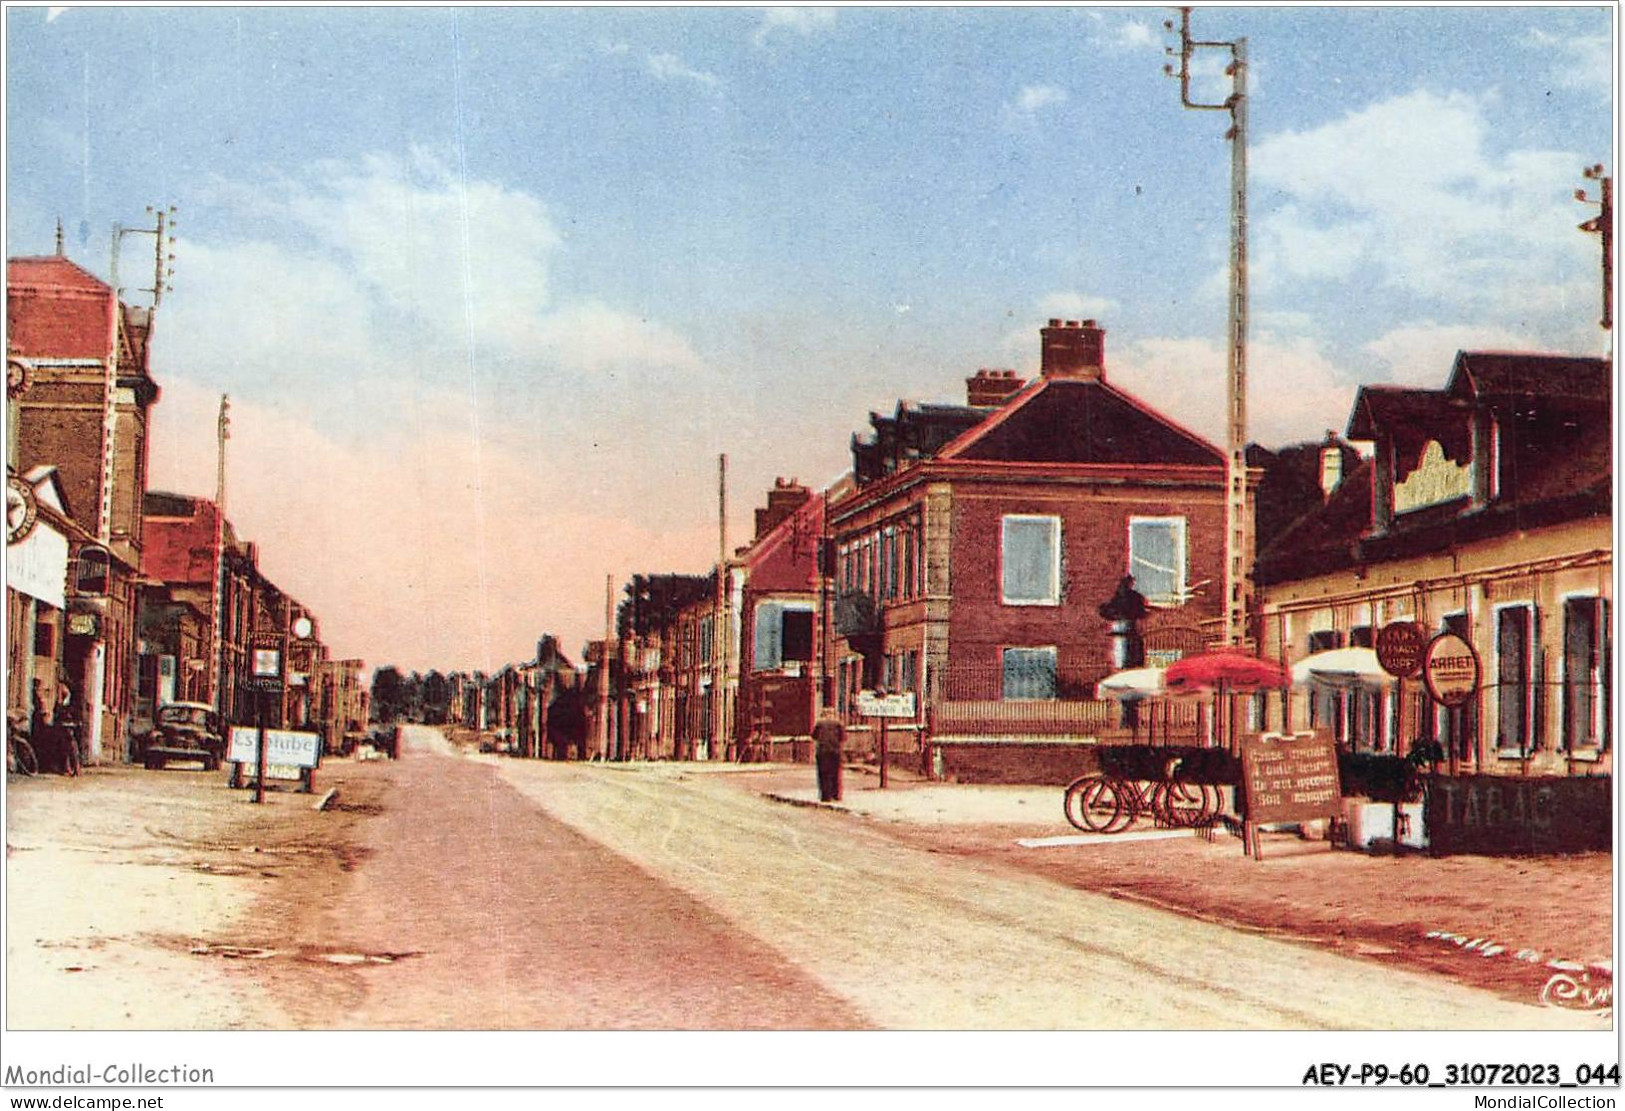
[265, 662]
[1503, 815]
[1450, 669]
[1290, 779]
[286, 747]
[1400, 646]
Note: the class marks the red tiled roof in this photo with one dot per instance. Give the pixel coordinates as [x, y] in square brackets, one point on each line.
[57, 310]
[52, 272]
[1514, 373]
[1064, 420]
[179, 548]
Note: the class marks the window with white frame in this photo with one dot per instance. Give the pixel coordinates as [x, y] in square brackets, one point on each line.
[1156, 558]
[1030, 561]
[1585, 667]
[1029, 673]
[783, 635]
[1512, 674]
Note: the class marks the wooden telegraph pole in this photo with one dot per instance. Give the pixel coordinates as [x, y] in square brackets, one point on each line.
[720, 633]
[1602, 225]
[601, 742]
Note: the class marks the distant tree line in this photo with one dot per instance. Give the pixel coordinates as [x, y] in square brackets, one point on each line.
[414, 697]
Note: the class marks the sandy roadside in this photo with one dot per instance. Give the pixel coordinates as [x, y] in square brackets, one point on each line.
[124, 889]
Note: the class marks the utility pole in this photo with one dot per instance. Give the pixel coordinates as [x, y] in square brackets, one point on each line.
[1237, 527]
[218, 602]
[222, 434]
[602, 740]
[1602, 225]
[720, 633]
[163, 254]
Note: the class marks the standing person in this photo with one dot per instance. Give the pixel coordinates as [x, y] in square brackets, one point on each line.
[829, 737]
[37, 723]
[67, 726]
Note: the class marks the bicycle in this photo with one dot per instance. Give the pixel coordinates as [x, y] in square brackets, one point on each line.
[1100, 803]
[20, 757]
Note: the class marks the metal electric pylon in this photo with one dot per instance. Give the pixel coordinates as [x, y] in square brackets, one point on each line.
[1237, 525]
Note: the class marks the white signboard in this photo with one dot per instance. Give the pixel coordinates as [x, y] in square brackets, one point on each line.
[283, 747]
[876, 705]
[37, 566]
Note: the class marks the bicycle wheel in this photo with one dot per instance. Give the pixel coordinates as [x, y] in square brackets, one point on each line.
[1092, 804]
[1072, 800]
[1126, 807]
[22, 755]
[1181, 805]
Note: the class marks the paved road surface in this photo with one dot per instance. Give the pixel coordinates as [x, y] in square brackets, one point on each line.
[544, 895]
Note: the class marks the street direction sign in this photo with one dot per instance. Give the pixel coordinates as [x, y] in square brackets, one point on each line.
[874, 704]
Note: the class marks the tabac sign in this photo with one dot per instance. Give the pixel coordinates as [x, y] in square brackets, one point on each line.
[1450, 670]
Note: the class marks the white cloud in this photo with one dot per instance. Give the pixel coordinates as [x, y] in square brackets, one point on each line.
[457, 257]
[669, 67]
[1407, 195]
[1074, 305]
[421, 546]
[1582, 61]
[1020, 345]
[1294, 390]
[592, 337]
[384, 465]
[805, 22]
[1133, 34]
[1034, 98]
[1422, 354]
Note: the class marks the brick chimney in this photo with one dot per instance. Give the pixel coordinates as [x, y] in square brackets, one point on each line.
[785, 498]
[1074, 349]
[1331, 464]
[988, 389]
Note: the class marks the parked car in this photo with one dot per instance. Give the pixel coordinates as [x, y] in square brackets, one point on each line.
[185, 731]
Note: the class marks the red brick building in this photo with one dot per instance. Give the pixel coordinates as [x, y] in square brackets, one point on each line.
[973, 557]
[782, 622]
[205, 601]
[84, 411]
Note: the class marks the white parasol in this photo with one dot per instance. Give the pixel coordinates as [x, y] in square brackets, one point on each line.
[1341, 667]
[1132, 685]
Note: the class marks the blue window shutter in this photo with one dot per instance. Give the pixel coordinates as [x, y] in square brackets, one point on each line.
[769, 632]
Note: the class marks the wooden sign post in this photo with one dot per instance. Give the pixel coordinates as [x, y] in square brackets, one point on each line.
[878, 704]
[1288, 779]
[267, 677]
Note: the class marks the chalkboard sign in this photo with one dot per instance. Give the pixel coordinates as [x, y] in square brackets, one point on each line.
[1290, 779]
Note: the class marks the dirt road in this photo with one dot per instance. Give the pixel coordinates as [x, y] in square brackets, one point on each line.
[918, 939]
[477, 910]
[450, 891]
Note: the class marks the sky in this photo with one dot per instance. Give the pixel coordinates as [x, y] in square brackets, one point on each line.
[491, 289]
